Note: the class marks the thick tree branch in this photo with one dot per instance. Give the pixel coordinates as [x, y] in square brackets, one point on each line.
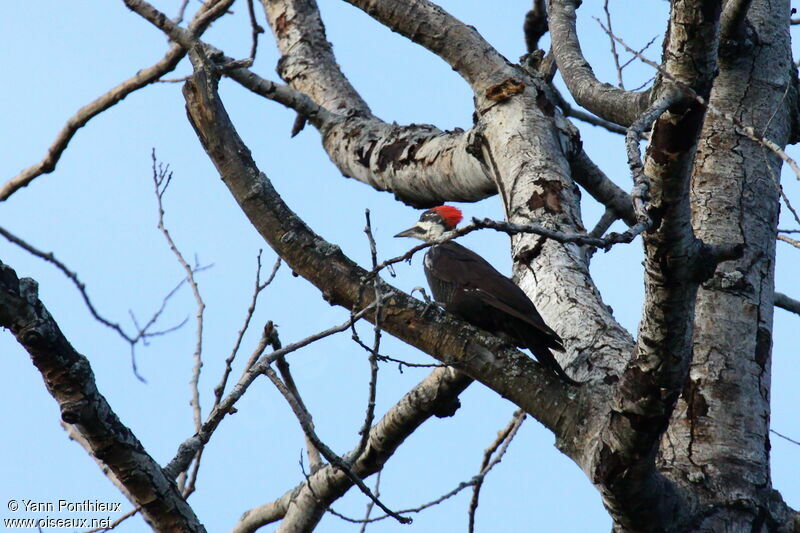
[608, 102]
[308, 63]
[341, 465]
[513, 375]
[69, 379]
[420, 164]
[304, 505]
[430, 26]
[675, 264]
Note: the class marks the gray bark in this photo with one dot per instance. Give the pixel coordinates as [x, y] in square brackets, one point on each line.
[671, 427]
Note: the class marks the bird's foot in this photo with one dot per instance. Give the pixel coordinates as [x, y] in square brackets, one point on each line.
[429, 302]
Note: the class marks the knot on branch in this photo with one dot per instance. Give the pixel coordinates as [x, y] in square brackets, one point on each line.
[74, 412]
[708, 256]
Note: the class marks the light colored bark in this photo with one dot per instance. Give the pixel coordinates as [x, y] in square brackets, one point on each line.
[717, 443]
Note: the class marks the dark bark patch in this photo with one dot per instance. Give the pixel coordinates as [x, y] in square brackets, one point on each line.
[549, 198]
[763, 347]
[505, 90]
[398, 153]
[281, 25]
[527, 256]
[696, 403]
[673, 138]
[363, 155]
[611, 466]
[711, 10]
[545, 104]
[389, 153]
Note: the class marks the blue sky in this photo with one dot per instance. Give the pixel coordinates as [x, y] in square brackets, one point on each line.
[97, 212]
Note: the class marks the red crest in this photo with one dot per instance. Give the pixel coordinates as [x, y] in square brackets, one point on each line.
[451, 215]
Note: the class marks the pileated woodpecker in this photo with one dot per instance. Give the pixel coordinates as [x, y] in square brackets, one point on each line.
[471, 288]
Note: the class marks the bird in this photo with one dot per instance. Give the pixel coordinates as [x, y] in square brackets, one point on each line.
[467, 286]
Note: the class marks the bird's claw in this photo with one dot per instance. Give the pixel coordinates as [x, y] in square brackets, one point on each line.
[429, 302]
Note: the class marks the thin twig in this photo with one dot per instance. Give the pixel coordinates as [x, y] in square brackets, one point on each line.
[513, 229]
[504, 438]
[142, 332]
[181, 12]
[519, 416]
[304, 418]
[371, 504]
[256, 28]
[376, 344]
[607, 219]
[314, 457]
[613, 51]
[220, 388]
[142, 78]
[115, 523]
[788, 240]
[161, 180]
[190, 446]
[785, 437]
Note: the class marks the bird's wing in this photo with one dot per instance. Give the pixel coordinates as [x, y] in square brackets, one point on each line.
[464, 267]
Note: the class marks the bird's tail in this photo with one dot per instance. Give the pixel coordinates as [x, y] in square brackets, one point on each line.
[543, 354]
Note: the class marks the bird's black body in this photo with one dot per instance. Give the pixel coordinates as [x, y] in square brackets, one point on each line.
[471, 288]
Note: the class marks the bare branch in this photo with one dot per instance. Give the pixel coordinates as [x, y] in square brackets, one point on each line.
[161, 179]
[535, 25]
[220, 388]
[376, 345]
[589, 176]
[490, 461]
[142, 78]
[371, 504]
[192, 445]
[51, 258]
[142, 332]
[314, 457]
[420, 164]
[69, 379]
[731, 23]
[256, 29]
[307, 502]
[610, 103]
[614, 54]
[788, 240]
[784, 437]
[787, 303]
[308, 62]
[504, 437]
[461, 46]
[305, 421]
[641, 182]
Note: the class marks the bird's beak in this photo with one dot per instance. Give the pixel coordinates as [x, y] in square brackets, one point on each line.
[410, 232]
